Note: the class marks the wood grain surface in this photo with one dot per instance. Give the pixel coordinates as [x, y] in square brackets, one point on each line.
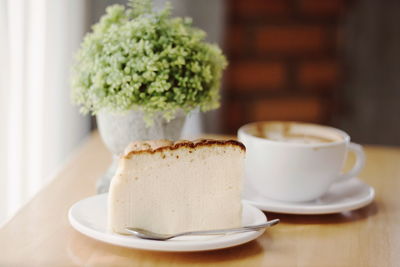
[40, 235]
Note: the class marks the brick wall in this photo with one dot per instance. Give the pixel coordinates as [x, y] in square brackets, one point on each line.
[283, 60]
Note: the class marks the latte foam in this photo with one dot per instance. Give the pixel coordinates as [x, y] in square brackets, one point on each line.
[294, 132]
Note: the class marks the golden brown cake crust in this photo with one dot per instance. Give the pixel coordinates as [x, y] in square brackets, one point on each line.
[164, 145]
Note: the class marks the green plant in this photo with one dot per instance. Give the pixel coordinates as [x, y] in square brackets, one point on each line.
[137, 58]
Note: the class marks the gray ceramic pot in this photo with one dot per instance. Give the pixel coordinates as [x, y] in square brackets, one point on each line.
[118, 130]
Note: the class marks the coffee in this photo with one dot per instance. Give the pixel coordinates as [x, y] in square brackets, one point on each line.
[294, 161]
[290, 132]
[297, 138]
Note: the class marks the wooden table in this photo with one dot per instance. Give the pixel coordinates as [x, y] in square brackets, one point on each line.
[40, 235]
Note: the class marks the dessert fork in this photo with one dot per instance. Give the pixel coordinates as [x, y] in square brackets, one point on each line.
[146, 234]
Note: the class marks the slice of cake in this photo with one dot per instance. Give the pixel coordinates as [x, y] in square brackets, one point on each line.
[169, 187]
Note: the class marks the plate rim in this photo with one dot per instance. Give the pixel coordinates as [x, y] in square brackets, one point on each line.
[170, 246]
[294, 208]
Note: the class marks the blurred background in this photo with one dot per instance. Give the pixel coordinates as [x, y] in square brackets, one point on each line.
[333, 62]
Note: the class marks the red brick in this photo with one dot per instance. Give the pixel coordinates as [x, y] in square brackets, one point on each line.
[321, 7]
[338, 36]
[308, 109]
[290, 39]
[233, 114]
[320, 73]
[235, 41]
[251, 8]
[253, 75]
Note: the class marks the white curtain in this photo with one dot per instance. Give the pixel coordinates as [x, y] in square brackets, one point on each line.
[39, 126]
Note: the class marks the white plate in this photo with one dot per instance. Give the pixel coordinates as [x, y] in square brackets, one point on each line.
[89, 216]
[349, 195]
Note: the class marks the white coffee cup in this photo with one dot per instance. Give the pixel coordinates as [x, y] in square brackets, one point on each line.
[292, 161]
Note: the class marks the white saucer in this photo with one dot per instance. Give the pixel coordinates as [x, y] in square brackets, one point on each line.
[349, 195]
[89, 216]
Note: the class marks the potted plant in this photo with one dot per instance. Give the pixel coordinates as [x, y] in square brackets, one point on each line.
[140, 72]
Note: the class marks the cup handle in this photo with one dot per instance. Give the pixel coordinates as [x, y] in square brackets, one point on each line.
[360, 162]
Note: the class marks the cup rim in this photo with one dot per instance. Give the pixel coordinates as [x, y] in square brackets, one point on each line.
[346, 137]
